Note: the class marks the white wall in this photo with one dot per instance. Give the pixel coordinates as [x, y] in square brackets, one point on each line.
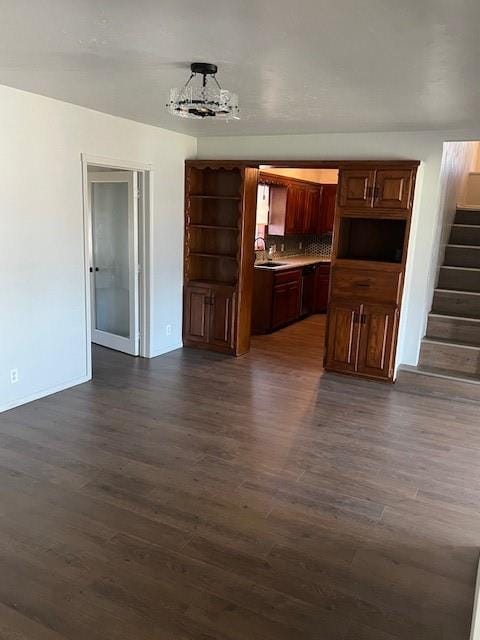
[423, 146]
[42, 309]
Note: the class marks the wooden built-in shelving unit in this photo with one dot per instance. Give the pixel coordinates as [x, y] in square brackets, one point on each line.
[220, 204]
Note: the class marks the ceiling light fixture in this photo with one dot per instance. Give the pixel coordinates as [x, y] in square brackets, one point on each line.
[208, 100]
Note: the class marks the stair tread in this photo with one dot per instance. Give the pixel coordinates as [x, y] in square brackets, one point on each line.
[453, 266]
[450, 342]
[448, 374]
[461, 291]
[460, 318]
[464, 246]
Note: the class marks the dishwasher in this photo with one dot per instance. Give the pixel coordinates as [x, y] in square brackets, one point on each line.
[308, 290]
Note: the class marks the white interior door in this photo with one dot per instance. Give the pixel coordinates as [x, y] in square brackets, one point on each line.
[114, 260]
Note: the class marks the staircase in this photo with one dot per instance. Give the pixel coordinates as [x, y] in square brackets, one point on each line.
[449, 363]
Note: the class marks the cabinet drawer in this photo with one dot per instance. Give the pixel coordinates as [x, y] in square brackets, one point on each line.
[283, 277]
[377, 286]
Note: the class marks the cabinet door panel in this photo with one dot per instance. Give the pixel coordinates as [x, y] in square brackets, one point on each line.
[292, 210]
[280, 305]
[321, 290]
[392, 188]
[312, 211]
[196, 314]
[376, 340]
[222, 316]
[356, 188]
[286, 303]
[327, 208]
[342, 345]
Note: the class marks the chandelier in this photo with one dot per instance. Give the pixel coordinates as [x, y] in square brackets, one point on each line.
[206, 99]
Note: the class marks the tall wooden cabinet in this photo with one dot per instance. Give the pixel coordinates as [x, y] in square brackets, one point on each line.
[372, 224]
[220, 204]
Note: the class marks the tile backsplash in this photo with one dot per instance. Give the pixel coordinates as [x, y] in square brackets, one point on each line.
[315, 245]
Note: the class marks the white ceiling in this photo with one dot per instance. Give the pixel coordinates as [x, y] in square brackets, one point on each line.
[298, 67]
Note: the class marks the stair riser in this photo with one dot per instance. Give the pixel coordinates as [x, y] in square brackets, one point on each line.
[450, 357]
[455, 329]
[462, 256]
[465, 235]
[467, 217]
[412, 382]
[456, 304]
[459, 279]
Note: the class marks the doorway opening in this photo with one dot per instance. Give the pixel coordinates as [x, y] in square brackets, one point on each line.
[117, 250]
[293, 245]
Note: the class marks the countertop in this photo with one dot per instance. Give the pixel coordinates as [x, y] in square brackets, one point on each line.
[293, 262]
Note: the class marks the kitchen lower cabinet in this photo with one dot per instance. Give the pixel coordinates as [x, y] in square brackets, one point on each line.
[286, 297]
[209, 316]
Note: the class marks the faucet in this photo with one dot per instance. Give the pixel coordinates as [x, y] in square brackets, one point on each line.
[263, 240]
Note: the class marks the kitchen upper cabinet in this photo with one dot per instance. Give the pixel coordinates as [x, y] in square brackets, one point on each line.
[328, 203]
[383, 188]
[299, 207]
[375, 355]
[209, 315]
[356, 188]
[392, 188]
[343, 334]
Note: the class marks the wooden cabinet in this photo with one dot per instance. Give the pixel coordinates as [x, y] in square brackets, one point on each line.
[356, 188]
[222, 317]
[298, 207]
[286, 297]
[392, 188]
[220, 207]
[328, 202]
[377, 329]
[361, 339]
[322, 283]
[388, 188]
[343, 333]
[196, 314]
[372, 225]
[209, 315]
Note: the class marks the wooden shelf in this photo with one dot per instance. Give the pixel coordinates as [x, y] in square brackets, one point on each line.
[213, 197]
[218, 227]
[220, 256]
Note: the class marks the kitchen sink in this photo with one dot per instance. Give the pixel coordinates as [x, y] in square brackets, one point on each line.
[271, 264]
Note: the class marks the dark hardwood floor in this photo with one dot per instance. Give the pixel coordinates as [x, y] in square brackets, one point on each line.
[201, 496]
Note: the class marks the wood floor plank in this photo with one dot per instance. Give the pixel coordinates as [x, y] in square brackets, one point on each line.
[197, 496]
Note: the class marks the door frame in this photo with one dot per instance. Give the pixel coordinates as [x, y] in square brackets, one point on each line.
[145, 252]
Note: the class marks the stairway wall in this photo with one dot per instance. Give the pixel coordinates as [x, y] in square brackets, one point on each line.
[458, 159]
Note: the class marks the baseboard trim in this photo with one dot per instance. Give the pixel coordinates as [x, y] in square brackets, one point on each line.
[161, 352]
[475, 628]
[43, 393]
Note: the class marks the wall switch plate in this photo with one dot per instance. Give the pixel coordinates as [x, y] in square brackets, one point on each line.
[282, 248]
[168, 330]
[300, 245]
[13, 376]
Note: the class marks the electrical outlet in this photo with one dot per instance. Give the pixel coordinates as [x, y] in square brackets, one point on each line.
[300, 245]
[13, 376]
[282, 248]
[168, 329]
